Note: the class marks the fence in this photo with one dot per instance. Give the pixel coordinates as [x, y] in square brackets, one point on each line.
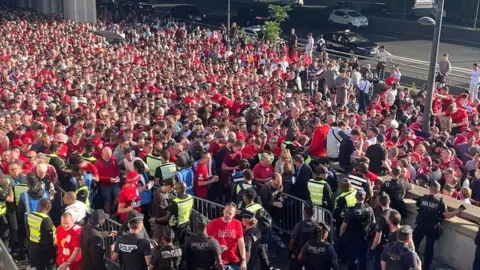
[6, 260]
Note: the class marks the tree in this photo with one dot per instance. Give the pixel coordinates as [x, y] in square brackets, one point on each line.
[278, 14]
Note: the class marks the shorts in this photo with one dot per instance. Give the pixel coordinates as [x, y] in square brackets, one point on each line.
[109, 192]
[440, 78]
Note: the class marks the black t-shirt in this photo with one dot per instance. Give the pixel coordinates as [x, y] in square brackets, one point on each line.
[359, 218]
[200, 252]
[399, 257]
[377, 154]
[382, 226]
[392, 237]
[345, 152]
[132, 249]
[302, 233]
[167, 258]
[319, 256]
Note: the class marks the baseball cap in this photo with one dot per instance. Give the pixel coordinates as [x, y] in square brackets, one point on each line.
[134, 215]
[27, 140]
[132, 177]
[380, 138]
[17, 142]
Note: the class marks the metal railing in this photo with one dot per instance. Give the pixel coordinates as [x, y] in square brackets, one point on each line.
[6, 260]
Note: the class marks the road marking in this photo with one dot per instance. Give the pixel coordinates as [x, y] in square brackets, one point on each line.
[393, 38]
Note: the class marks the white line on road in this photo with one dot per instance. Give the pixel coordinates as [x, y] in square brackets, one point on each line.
[393, 38]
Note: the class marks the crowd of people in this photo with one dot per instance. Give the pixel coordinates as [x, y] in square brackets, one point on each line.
[137, 130]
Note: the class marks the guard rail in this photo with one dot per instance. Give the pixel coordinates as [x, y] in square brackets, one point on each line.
[6, 260]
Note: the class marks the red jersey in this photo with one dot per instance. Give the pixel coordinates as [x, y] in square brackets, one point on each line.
[67, 241]
[90, 167]
[130, 197]
[201, 175]
[74, 147]
[459, 116]
[227, 235]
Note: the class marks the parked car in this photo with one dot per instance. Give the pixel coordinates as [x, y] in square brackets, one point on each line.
[348, 17]
[187, 12]
[350, 42]
[377, 9]
[252, 15]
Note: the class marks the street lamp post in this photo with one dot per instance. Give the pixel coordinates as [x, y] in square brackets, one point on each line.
[433, 61]
[228, 16]
[476, 16]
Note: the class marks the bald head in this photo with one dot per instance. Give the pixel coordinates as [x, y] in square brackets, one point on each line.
[106, 153]
[41, 170]
[180, 187]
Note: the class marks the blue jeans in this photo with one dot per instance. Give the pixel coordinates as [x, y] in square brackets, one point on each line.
[363, 102]
[232, 266]
[109, 192]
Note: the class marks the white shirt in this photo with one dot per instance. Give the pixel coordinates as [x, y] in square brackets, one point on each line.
[475, 76]
[356, 77]
[310, 44]
[383, 56]
[391, 96]
[78, 210]
[333, 142]
[364, 86]
[129, 164]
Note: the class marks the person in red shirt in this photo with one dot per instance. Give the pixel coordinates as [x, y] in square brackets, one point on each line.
[202, 179]
[129, 197]
[75, 143]
[61, 140]
[109, 177]
[318, 147]
[458, 116]
[249, 151]
[68, 244]
[263, 171]
[229, 234]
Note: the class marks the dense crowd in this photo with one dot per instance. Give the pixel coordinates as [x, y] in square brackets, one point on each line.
[164, 111]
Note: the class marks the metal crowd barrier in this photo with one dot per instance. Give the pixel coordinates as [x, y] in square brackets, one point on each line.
[6, 260]
[111, 225]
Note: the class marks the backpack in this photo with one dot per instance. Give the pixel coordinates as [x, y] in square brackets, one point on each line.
[185, 175]
[264, 221]
[31, 205]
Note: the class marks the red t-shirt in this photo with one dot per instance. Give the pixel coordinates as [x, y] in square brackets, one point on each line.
[201, 175]
[458, 116]
[227, 235]
[130, 197]
[249, 151]
[90, 167]
[262, 172]
[72, 147]
[67, 241]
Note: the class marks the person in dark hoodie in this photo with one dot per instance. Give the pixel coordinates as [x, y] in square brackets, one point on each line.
[93, 243]
[29, 202]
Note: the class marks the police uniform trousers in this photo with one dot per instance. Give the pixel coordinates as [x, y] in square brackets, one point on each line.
[431, 234]
[182, 233]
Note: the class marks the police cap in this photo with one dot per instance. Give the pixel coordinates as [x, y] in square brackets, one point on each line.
[404, 233]
[324, 226]
[247, 214]
[133, 216]
[168, 233]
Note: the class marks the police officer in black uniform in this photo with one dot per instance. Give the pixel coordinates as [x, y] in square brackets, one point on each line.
[201, 251]
[301, 234]
[397, 189]
[431, 212]
[398, 254]
[168, 256]
[133, 250]
[317, 253]
[355, 228]
[382, 229]
[6, 196]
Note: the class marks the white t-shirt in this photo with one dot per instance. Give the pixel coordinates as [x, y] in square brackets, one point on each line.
[129, 164]
[333, 142]
[391, 96]
[475, 76]
[383, 56]
[78, 210]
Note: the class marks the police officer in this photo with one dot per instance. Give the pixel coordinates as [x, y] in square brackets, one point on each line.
[319, 189]
[154, 159]
[344, 200]
[301, 234]
[431, 212]
[355, 228]
[133, 250]
[6, 196]
[252, 236]
[398, 255]
[166, 170]
[202, 251]
[178, 213]
[41, 237]
[93, 242]
[168, 256]
[243, 185]
[382, 229]
[397, 189]
[318, 253]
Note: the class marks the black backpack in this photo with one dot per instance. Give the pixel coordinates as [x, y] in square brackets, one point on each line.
[264, 221]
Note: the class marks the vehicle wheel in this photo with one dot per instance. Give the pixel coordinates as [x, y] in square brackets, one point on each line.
[350, 26]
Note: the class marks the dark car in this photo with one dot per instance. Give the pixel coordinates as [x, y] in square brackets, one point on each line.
[187, 12]
[252, 15]
[341, 5]
[350, 42]
[378, 9]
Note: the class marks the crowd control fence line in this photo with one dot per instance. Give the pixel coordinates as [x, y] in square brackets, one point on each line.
[6, 260]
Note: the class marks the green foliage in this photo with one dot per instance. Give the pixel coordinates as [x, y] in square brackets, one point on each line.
[278, 14]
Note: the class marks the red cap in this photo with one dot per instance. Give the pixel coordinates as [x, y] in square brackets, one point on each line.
[132, 177]
[177, 112]
[27, 140]
[17, 142]
[416, 156]
[97, 141]
[216, 97]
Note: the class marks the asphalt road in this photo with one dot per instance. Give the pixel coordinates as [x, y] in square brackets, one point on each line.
[404, 45]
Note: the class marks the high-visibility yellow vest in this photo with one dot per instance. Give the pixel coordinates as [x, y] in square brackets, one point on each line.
[34, 226]
[244, 185]
[253, 208]
[271, 157]
[87, 202]
[349, 199]
[3, 208]
[315, 187]
[89, 159]
[19, 189]
[153, 162]
[50, 156]
[308, 160]
[184, 209]
[168, 170]
[285, 144]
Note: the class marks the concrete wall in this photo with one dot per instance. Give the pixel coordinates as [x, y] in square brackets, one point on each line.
[456, 247]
